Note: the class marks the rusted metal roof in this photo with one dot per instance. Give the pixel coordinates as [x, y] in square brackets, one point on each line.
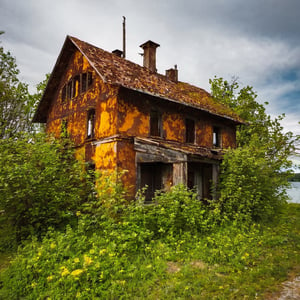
[119, 71]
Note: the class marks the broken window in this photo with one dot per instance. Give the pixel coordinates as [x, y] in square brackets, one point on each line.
[79, 84]
[155, 123]
[216, 136]
[189, 131]
[91, 123]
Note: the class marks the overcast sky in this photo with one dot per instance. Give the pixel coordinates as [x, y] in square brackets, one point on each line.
[257, 41]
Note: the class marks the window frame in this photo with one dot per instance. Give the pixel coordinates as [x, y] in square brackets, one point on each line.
[155, 123]
[90, 124]
[217, 137]
[190, 125]
[71, 90]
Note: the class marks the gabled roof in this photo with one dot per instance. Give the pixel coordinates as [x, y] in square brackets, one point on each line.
[119, 71]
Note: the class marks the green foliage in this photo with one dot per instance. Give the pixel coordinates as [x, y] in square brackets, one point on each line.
[16, 104]
[251, 187]
[174, 213]
[253, 177]
[41, 184]
[126, 256]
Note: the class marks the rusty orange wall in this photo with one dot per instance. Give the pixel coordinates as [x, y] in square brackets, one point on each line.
[126, 162]
[204, 133]
[228, 137]
[106, 156]
[132, 120]
[100, 96]
[174, 126]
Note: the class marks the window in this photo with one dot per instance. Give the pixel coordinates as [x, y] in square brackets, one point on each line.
[91, 123]
[83, 82]
[155, 123]
[216, 136]
[189, 131]
[78, 84]
[69, 90]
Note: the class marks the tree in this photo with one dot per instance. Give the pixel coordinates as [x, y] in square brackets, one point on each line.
[254, 176]
[16, 104]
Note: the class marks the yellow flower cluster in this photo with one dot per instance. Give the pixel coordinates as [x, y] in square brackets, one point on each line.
[77, 272]
[64, 271]
[87, 260]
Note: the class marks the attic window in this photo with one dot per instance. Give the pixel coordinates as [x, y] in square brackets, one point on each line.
[77, 85]
[155, 123]
[190, 131]
[216, 137]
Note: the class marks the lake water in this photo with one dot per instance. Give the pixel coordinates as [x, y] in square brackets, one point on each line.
[294, 192]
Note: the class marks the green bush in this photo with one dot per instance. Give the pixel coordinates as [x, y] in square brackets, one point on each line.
[41, 184]
[251, 188]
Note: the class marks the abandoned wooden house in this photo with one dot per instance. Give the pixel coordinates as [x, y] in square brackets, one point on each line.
[124, 116]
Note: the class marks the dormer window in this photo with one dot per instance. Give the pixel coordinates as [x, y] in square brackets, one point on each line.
[77, 85]
[216, 137]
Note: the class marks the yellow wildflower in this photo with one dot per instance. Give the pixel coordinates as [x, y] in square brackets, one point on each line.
[92, 251]
[78, 213]
[64, 271]
[76, 260]
[52, 245]
[49, 278]
[33, 284]
[87, 260]
[102, 251]
[76, 272]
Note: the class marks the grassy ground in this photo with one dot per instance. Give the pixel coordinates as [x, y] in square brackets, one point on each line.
[227, 264]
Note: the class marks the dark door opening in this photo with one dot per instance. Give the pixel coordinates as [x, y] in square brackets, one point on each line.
[200, 178]
[156, 176]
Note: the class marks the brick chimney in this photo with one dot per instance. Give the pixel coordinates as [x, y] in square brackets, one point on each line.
[172, 74]
[150, 55]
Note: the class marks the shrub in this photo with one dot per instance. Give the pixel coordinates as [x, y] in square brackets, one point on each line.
[251, 188]
[41, 184]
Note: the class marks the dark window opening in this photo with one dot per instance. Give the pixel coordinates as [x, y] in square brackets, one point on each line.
[89, 79]
[155, 123]
[156, 176]
[200, 179]
[216, 137]
[83, 82]
[91, 123]
[64, 93]
[189, 131]
[69, 90]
